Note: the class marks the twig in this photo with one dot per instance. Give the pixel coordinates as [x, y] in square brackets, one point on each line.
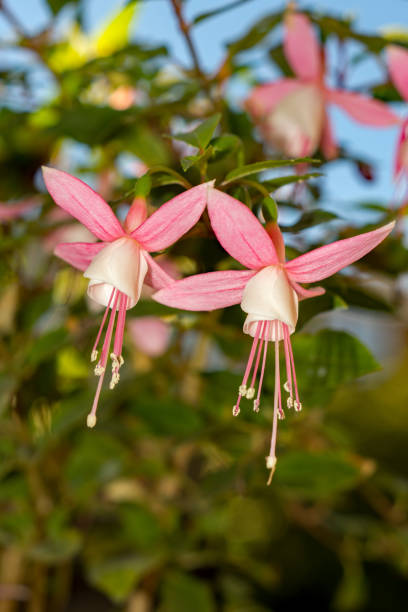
[12, 19]
[185, 30]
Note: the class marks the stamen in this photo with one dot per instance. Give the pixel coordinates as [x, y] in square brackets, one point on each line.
[288, 384]
[289, 402]
[94, 353]
[243, 388]
[270, 465]
[250, 394]
[99, 370]
[266, 342]
[292, 361]
[271, 459]
[91, 418]
[117, 359]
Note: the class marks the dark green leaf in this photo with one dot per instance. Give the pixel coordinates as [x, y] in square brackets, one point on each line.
[266, 165]
[218, 11]
[315, 475]
[184, 593]
[202, 134]
[269, 209]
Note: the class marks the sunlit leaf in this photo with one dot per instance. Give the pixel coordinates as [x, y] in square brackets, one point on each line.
[115, 34]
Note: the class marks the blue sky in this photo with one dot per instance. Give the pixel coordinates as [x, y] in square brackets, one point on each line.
[156, 24]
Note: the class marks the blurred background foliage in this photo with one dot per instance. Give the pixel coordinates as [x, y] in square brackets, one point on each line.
[164, 505]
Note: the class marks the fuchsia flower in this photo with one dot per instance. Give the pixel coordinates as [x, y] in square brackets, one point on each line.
[118, 266]
[151, 335]
[268, 291]
[292, 112]
[398, 66]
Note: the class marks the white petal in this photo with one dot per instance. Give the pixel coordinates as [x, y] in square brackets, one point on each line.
[296, 123]
[268, 296]
[119, 265]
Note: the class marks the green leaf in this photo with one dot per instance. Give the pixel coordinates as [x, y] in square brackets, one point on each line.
[202, 134]
[143, 186]
[327, 360]
[280, 181]
[315, 475]
[184, 593]
[311, 218]
[115, 35]
[226, 144]
[45, 347]
[196, 160]
[118, 577]
[218, 11]
[256, 33]
[168, 416]
[269, 209]
[57, 5]
[266, 165]
[95, 460]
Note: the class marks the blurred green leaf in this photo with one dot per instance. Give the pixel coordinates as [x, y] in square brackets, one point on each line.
[315, 475]
[218, 11]
[266, 165]
[57, 5]
[118, 577]
[269, 209]
[115, 34]
[184, 593]
[202, 134]
[255, 34]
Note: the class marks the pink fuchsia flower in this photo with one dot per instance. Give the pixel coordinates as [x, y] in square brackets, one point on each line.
[268, 291]
[292, 112]
[118, 266]
[397, 59]
[9, 211]
[150, 335]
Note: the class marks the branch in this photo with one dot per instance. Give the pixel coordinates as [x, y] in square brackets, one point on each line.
[185, 30]
[12, 19]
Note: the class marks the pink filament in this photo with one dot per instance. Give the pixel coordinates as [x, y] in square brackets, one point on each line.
[103, 321]
[266, 335]
[120, 327]
[293, 368]
[276, 400]
[258, 356]
[105, 351]
[287, 358]
[249, 365]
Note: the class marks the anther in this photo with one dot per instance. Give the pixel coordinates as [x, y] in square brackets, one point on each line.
[114, 380]
[256, 405]
[94, 355]
[298, 406]
[99, 370]
[235, 410]
[250, 394]
[286, 387]
[91, 420]
[271, 465]
[281, 414]
[242, 390]
[289, 402]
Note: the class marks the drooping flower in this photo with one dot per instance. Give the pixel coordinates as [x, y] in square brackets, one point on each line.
[150, 335]
[118, 266]
[268, 291]
[292, 112]
[397, 59]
